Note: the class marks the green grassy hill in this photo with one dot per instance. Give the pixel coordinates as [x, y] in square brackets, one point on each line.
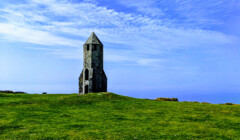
[111, 116]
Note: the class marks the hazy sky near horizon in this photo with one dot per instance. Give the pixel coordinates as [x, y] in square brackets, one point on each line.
[152, 48]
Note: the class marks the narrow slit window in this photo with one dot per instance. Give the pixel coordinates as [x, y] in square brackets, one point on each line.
[95, 47]
[86, 74]
[87, 47]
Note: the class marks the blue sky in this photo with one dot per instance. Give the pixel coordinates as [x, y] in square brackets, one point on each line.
[152, 48]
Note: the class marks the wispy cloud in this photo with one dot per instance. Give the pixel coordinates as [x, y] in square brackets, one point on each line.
[144, 6]
[27, 35]
[66, 24]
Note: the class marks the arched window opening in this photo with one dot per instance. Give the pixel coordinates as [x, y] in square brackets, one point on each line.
[86, 74]
[86, 89]
[87, 47]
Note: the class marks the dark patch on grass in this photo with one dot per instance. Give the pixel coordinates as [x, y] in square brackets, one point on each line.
[4, 95]
[197, 118]
[120, 118]
[160, 113]
[227, 124]
[9, 127]
[65, 115]
[79, 126]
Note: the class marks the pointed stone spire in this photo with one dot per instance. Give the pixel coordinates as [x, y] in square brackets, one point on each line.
[93, 39]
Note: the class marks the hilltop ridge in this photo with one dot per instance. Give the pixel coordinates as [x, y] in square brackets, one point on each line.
[111, 116]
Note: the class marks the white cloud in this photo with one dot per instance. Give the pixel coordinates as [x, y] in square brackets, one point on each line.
[146, 6]
[27, 35]
[62, 23]
[43, 1]
[184, 12]
[151, 62]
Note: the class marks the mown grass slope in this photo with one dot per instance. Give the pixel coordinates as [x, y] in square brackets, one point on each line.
[111, 116]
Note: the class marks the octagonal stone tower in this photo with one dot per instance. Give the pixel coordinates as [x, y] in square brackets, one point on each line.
[93, 77]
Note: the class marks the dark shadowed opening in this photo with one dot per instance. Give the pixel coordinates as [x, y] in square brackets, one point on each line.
[86, 74]
[94, 47]
[86, 89]
[87, 47]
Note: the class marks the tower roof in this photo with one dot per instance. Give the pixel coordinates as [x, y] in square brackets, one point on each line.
[93, 39]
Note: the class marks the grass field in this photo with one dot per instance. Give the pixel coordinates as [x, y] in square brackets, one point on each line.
[111, 116]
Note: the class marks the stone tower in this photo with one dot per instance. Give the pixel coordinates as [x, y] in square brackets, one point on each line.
[92, 78]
